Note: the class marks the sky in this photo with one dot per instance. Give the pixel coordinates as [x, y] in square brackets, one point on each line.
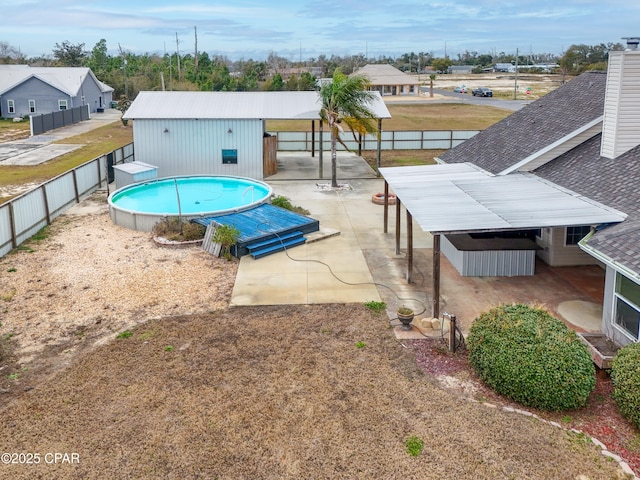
[304, 29]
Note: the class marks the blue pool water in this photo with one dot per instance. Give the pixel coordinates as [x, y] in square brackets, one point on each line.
[199, 195]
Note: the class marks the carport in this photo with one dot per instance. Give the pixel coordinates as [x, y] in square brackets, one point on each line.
[462, 198]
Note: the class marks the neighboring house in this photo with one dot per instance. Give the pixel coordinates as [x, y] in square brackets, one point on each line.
[461, 69]
[388, 80]
[217, 133]
[26, 90]
[583, 137]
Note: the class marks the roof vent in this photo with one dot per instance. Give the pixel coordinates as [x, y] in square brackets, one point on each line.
[632, 42]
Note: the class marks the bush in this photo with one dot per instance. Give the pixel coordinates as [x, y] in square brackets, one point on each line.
[531, 357]
[284, 202]
[171, 229]
[625, 374]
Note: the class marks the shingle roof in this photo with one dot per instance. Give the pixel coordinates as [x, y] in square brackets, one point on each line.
[614, 182]
[384, 74]
[65, 79]
[539, 124]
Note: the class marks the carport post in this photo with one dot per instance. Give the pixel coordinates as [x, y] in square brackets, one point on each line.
[398, 203]
[320, 173]
[313, 138]
[386, 206]
[435, 313]
[409, 247]
[378, 159]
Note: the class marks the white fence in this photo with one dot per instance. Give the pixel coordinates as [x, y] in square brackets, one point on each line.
[391, 140]
[23, 216]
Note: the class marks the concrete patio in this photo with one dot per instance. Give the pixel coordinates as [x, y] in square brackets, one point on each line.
[357, 262]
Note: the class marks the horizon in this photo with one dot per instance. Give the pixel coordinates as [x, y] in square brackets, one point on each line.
[304, 29]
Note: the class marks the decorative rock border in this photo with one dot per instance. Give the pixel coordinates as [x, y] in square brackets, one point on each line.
[163, 242]
[624, 466]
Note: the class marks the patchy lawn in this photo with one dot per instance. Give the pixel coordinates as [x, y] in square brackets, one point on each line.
[321, 391]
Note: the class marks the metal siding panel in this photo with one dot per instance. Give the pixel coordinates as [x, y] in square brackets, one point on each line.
[60, 192]
[5, 230]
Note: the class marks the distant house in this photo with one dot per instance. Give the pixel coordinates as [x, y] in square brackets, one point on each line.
[461, 69]
[583, 139]
[26, 90]
[388, 80]
[217, 133]
[504, 68]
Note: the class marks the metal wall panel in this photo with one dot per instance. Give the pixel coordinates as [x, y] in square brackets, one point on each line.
[194, 147]
[60, 192]
[6, 243]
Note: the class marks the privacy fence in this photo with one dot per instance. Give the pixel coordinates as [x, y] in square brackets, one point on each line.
[24, 216]
[50, 121]
[391, 140]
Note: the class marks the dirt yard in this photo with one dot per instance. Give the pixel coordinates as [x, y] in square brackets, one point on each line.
[127, 359]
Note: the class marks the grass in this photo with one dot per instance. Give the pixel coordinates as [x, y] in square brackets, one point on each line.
[96, 143]
[418, 116]
[414, 446]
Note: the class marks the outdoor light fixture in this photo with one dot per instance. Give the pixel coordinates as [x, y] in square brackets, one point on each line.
[166, 130]
[229, 131]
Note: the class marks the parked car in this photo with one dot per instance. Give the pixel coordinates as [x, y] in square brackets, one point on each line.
[482, 92]
[461, 89]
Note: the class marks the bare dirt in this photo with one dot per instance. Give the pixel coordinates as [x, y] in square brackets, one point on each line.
[125, 356]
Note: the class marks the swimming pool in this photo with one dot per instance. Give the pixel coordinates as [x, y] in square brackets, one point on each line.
[141, 205]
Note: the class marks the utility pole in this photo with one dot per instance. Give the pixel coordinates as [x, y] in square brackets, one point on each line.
[515, 88]
[195, 58]
[124, 70]
[178, 54]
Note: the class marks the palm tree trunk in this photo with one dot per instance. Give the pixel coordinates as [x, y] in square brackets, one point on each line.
[334, 159]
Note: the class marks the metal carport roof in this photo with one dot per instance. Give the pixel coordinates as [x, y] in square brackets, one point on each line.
[463, 198]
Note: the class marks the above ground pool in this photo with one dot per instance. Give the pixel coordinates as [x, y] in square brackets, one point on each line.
[141, 205]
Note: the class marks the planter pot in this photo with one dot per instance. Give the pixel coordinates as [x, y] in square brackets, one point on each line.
[405, 319]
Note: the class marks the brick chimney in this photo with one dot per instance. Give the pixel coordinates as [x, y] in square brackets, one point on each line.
[621, 126]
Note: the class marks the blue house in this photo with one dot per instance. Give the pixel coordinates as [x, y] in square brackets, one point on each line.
[26, 90]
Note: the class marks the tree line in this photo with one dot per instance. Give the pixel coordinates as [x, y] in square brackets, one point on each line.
[129, 73]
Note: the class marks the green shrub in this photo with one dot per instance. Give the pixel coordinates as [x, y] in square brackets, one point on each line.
[531, 357]
[625, 374]
[284, 202]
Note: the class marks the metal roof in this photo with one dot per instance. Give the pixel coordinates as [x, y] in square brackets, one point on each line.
[456, 198]
[235, 105]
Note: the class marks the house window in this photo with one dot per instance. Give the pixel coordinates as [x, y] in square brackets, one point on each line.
[575, 234]
[32, 106]
[627, 306]
[11, 105]
[62, 104]
[229, 156]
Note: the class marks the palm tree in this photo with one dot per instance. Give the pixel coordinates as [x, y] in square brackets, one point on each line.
[346, 100]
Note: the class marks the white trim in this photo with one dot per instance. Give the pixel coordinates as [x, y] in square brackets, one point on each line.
[518, 166]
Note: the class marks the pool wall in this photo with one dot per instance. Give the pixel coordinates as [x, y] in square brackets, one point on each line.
[144, 221]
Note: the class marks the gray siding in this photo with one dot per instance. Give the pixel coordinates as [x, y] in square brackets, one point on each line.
[192, 147]
[45, 96]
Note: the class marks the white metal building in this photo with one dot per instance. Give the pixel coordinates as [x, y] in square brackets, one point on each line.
[218, 133]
